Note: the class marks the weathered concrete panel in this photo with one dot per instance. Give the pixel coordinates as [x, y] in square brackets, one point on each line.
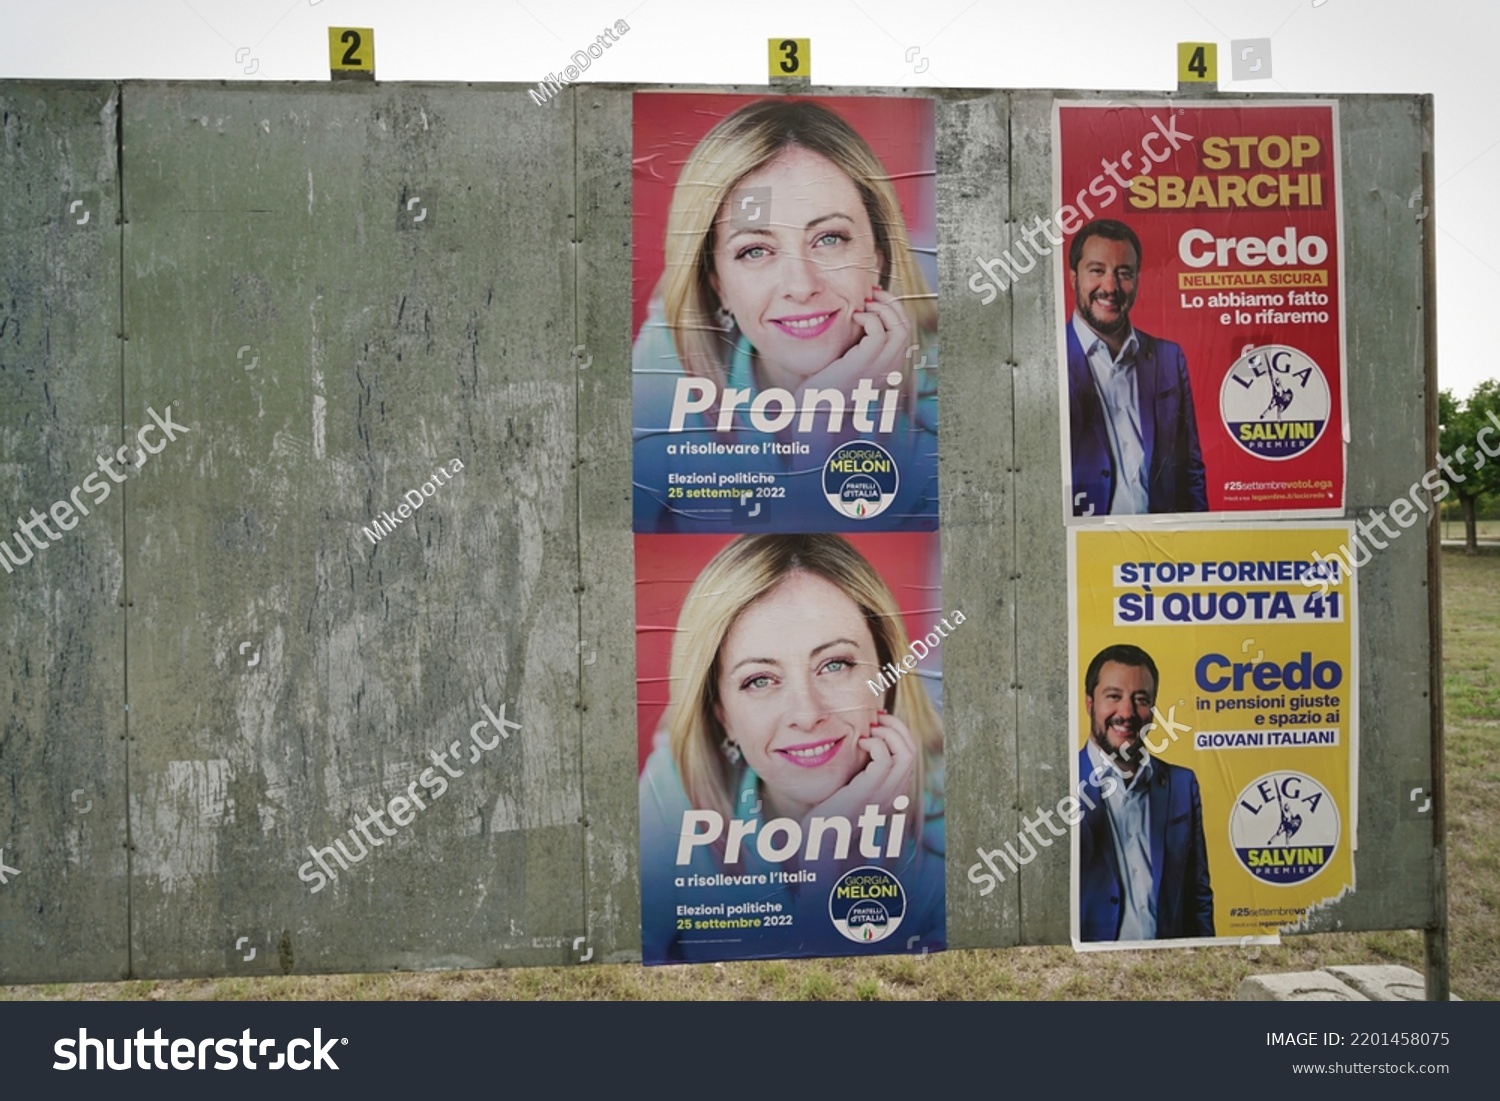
[606, 546]
[389, 254]
[975, 453]
[347, 286]
[1383, 139]
[63, 913]
[1041, 539]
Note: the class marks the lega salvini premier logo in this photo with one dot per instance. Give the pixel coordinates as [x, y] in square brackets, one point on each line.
[1284, 828]
[860, 479]
[1275, 402]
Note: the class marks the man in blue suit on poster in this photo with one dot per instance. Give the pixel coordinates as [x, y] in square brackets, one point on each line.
[1142, 860]
[1131, 419]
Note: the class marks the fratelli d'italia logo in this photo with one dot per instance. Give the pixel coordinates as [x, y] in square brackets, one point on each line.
[1284, 828]
[860, 479]
[1275, 402]
[867, 904]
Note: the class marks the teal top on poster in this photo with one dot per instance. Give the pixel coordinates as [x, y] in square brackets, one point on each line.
[747, 480]
[803, 925]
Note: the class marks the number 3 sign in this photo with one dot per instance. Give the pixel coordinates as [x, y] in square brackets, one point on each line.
[791, 60]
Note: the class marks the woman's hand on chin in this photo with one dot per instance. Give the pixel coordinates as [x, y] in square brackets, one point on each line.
[893, 759]
[879, 352]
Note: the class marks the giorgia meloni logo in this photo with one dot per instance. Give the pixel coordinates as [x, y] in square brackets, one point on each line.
[867, 904]
[860, 479]
[1274, 402]
[1284, 828]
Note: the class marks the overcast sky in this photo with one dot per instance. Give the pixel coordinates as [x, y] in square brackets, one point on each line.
[1445, 47]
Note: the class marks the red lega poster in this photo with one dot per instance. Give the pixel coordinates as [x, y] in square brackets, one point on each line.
[1201, 337]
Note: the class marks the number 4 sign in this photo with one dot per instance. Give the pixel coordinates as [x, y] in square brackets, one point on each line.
[351, 53]
[1198, 63]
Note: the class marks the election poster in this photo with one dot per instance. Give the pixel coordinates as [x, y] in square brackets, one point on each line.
[784, 315]
[1215, 730]
[790, 745]
[1200, 344]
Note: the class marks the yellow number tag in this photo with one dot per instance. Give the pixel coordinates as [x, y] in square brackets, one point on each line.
[351, 51]
[791, 60]
[1197, 63]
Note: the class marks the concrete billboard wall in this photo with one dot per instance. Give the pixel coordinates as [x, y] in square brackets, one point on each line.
[344, 293]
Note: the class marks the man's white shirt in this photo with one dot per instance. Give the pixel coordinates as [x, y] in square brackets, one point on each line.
[1115, 381]
[1129, 810]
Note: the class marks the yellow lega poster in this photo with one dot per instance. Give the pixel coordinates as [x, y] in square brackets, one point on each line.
[1214, 733]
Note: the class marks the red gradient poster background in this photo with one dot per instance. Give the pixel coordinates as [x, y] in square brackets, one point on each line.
[667, 565]
[669, 126]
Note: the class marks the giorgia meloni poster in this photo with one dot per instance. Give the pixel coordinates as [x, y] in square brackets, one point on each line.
[785, 323]
[790, 745]
[1201, 338]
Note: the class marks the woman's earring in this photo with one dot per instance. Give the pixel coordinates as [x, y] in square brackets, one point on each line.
[731, 751]
[724, 318]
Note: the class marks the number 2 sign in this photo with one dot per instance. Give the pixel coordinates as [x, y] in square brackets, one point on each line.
[351, 52]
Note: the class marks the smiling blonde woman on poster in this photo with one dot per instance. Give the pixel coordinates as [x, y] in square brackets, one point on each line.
[788, 269]
[772, 726]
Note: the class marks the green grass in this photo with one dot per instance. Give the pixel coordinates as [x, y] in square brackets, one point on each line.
[1471, 702]
[1471, 642]
[1471, 678]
